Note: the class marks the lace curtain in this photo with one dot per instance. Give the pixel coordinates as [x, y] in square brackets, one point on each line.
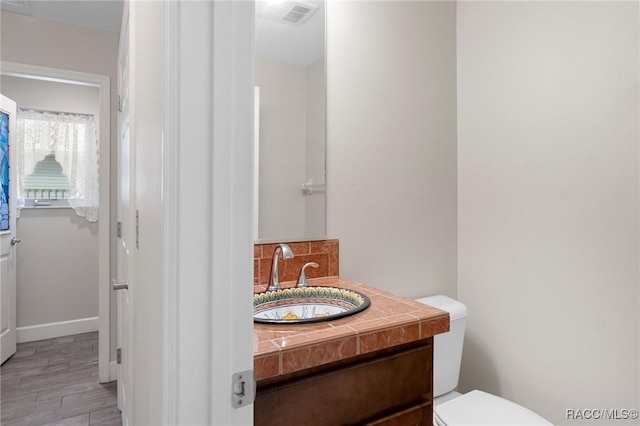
[73, 139]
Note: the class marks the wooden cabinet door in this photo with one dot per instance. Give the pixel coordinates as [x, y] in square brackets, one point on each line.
[351, 395]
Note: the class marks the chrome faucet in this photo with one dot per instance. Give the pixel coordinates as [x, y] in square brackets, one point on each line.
[274, 279]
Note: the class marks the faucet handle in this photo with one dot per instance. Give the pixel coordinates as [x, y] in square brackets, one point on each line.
[302, 279]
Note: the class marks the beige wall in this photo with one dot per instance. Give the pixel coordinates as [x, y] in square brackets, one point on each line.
[316, 135]
[282, 148]
[292, 148]
[548, 203]
[54, 96]
[57, 274]
[57, 264]
[391, 153]
[54, 44]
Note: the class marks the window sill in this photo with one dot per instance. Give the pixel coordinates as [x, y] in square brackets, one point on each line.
[44, 207]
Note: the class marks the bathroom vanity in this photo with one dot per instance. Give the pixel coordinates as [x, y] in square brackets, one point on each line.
[373, 368]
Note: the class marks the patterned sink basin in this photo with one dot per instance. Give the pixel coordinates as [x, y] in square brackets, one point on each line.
[307, 304]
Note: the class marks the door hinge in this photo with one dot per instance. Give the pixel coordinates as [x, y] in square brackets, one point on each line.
[119, 104]
[119, 230]
[243, 389]
[138, 229]
[119, 355]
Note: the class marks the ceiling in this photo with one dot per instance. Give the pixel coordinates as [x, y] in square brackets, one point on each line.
[101, 14]
[299, 44]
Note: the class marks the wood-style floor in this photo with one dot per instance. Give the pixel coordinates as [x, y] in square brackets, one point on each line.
[55, 382]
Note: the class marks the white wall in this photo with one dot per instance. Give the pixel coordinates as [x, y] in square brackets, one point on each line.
[55, 44]
[391, 134]
[548, 203]
[57, 264]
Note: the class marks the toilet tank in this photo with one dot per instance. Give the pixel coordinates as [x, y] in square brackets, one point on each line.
[447, 347]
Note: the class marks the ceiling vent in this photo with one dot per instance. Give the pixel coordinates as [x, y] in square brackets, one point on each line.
[290, 12]
[17, 6]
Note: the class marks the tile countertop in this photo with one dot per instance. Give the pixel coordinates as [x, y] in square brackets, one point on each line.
[391, 320]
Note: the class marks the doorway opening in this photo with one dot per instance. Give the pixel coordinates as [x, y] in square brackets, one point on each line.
[39, 86]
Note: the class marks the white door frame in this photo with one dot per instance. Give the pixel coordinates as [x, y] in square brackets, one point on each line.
[102, 82]
[207, 215]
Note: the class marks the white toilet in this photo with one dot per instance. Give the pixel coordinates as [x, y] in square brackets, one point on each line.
[475, 408]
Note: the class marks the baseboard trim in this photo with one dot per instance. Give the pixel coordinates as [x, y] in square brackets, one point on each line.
[57, 329]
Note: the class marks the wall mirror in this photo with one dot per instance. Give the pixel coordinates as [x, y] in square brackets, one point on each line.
[290, 121]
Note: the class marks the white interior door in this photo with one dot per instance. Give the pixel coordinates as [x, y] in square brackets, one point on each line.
[126, 234]
[7, 229]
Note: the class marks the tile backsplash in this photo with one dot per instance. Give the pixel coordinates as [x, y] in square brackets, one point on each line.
[324, 253]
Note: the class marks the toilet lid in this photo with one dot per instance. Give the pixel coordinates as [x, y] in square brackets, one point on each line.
[478, 408]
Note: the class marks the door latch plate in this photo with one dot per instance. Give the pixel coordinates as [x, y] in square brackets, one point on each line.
[243, 389]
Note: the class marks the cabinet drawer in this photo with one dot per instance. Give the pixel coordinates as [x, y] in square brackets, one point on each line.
[350, 395]
[419, 415]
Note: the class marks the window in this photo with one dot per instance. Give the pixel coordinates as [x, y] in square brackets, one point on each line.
[47, 185]
[4, 171]
[57, 161]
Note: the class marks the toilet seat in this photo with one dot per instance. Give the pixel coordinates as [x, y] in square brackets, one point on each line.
[478, 408]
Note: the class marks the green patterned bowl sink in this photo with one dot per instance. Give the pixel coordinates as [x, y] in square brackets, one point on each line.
[307, 304]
